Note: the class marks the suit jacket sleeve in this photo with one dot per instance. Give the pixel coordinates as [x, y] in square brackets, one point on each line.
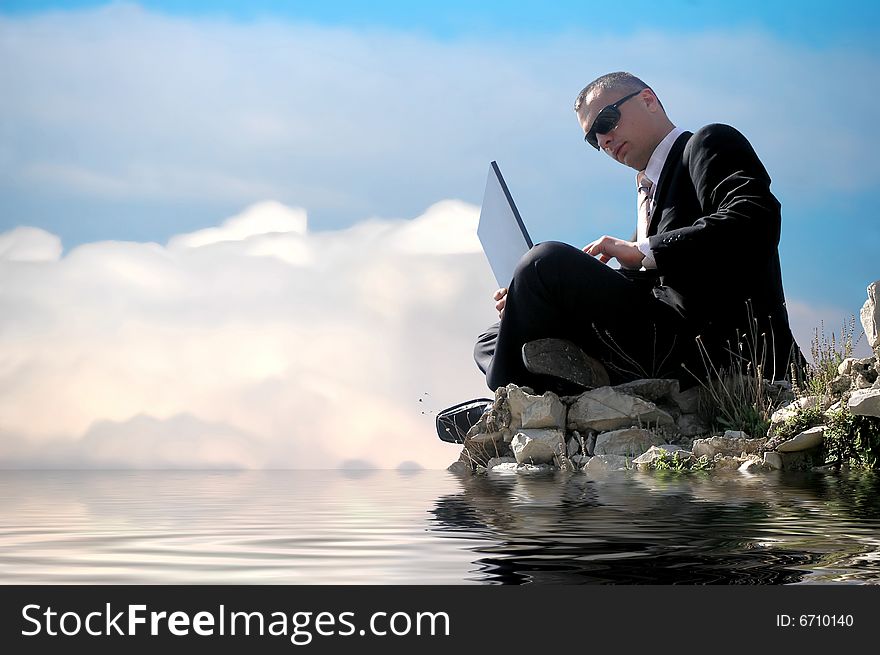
[740, 218]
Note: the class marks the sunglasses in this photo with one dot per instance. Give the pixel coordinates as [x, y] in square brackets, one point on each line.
[606, 120]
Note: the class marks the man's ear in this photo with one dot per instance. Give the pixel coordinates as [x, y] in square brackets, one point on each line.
[651, 101]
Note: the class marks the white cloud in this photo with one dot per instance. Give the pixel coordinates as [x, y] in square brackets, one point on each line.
[253, 344]
[29, 244]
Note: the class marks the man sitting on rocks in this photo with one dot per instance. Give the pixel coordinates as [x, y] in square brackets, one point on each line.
[698, 286]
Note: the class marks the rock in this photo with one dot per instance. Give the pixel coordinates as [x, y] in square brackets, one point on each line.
[802, 460]
[845, 367]
[505, 467]
[727, 462]
[870, 315]
[865, 402]
[804, 441]
[606, 409]
[580, 460]
[726, 446]
[751, 465]
[691, 425]
[840, 384]
[652, 389]
[459, 468]
[535, 468]
[537, 446]
[689, 400]
[497, 461]
[629, 442]
[807, 402]
[607, 463]
[663, 450]
[773, 460]
[862, 381]
[486, 438]
[530, 411]
[574, 447]
[735, 434]
[590, 442]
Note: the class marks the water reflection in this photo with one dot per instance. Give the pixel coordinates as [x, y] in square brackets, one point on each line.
[651, 528]
[391, 527]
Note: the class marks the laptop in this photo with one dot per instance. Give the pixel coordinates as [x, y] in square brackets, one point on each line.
[501, 231]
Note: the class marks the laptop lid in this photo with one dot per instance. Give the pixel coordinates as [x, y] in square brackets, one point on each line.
[501, 231]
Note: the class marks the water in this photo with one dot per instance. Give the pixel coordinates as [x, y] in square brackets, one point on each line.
[389, 527]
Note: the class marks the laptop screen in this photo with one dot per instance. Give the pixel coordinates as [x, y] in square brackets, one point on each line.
[501, 231]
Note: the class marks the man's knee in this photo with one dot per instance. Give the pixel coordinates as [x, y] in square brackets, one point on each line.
[547, 251]
[484, 349]
[546, 256]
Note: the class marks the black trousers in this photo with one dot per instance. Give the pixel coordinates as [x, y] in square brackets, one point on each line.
[560, 291]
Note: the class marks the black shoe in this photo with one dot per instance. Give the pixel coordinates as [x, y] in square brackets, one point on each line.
[453, 423]
[562, 359]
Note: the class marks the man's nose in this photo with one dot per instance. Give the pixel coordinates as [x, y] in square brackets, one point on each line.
[603, 140]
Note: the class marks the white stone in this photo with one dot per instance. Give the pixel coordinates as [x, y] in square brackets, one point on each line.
[606, 409]
[607, 463]
[750, 466]
[497, 461]
[845, 367]
[773, 460]
[804, 441]
[530, 411]
[537, 446]
[629, 442]
[505, 467]
[870, 315]
[865, 402]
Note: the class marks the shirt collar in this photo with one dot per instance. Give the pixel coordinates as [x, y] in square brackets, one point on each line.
[661, 152]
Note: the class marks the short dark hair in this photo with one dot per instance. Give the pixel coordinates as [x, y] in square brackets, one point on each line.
[619, 81]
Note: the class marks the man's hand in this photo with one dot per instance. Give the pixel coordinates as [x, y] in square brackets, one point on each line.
[501, 297]
[626, 252]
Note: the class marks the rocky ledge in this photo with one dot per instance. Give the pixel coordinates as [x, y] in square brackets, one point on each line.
[652, 424]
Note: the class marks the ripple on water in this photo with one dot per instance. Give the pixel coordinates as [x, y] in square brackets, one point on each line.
[382, 527]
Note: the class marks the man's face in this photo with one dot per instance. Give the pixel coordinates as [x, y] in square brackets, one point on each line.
[631, 142]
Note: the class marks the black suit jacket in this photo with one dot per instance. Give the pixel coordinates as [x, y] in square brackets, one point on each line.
[714, 234]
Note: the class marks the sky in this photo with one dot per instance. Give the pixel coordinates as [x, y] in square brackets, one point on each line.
[243, 234]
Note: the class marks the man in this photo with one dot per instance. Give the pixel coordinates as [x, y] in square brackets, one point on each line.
[699, 287]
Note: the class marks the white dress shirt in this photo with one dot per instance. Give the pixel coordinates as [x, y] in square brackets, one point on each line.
[652, 172]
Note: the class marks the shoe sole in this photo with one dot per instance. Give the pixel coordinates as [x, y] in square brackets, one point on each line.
[562, 359]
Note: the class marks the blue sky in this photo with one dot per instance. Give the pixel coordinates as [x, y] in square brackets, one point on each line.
[814, 22]
[149, 151]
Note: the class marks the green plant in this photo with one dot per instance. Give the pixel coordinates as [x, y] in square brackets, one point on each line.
[852, 440]
[669, 462]
[803, 419]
